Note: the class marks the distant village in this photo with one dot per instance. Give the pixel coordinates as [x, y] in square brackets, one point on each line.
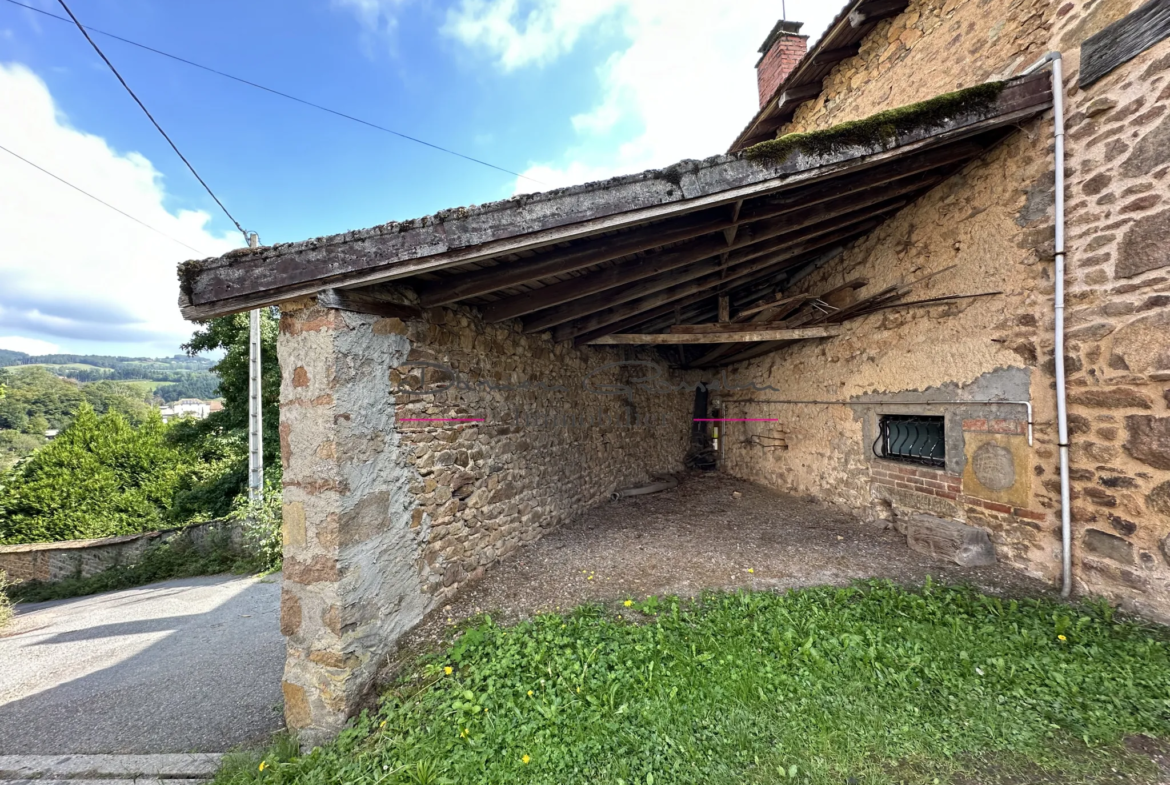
[189, 407]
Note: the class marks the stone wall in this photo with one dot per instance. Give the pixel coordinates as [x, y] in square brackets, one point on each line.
[49, 562]
[386, 518]
[994, 222]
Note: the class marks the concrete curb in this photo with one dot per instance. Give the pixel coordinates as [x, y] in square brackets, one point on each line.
[44, 769]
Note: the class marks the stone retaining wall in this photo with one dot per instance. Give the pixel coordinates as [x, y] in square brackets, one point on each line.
[386, 518]
[50, 562]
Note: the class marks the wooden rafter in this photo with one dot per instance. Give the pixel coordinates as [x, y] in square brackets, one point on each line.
[743, 336]
[785, 246]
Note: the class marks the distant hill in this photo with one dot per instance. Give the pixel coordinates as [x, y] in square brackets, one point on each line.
[170, 378]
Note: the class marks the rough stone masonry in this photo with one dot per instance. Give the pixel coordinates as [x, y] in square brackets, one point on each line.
[386, 516]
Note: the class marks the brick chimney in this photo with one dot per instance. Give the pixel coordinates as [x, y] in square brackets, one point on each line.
[782, 50]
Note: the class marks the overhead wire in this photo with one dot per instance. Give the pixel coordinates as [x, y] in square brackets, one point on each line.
[288, 96]
[101, 201]
[142, 106]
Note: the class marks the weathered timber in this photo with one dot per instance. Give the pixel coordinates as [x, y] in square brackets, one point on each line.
[767, 264]
[362, 301]
[800, 93]
[251, 278]
[796, 302]
[584, 254]
[872, 13]
[743, 336]
[785, 222]
[1124, 40]
[724, 327]
[742, 262]
[834, 56]
[588, 253]
[724, 308]
[939, 538]
[931, 301]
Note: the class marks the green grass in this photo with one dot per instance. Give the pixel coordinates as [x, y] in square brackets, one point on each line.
[145, 385]
[177, 559]
[872, 684]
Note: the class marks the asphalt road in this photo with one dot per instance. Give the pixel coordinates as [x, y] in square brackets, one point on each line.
[191, 665]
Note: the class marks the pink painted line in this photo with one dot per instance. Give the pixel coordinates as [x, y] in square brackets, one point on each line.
[443, 419]
[746, 419]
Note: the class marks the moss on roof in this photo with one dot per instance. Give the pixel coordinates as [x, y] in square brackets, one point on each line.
[882, 128]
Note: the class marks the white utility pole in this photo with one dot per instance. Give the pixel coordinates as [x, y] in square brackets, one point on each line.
[255, 417]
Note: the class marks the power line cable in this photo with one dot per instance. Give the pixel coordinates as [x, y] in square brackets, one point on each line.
[303, 101]
[101, 201]
[142, 106]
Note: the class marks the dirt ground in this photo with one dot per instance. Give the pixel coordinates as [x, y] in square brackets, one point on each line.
[699, 536]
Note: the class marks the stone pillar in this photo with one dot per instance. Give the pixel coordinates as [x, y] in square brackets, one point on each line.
[352, 564]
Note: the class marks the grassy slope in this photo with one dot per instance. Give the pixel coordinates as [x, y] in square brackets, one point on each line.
[867, 685]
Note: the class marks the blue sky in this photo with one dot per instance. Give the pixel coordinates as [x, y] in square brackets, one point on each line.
[562, 90]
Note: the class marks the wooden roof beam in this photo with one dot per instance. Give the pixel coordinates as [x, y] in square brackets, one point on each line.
[584, 253]
[872, 13]
[568, 300]
[704, 284]
[741, 336]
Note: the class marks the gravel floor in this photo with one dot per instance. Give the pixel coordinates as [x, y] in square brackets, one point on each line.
[699, 536]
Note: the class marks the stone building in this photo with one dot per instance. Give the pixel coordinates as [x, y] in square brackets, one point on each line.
[879, 283]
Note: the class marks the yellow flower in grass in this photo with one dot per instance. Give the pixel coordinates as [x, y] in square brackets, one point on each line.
[525, 758]
[530, 693]
[448, 670]
[382, 724]
[1061, 638]
[628, 603]
[751, 570]
[465, 733]
[263, 765]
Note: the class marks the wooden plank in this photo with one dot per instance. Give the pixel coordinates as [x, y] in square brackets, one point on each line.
[724, 327]
[724, 308]
[585, 253]
[619, 275]
[769, 264]
[1124, 40]
[247, 279]
[743, 336]
[794, 243]
[872, 13]
[800, 93]
[591, 252]
[361, 301]
[932, 301]
[834, 56]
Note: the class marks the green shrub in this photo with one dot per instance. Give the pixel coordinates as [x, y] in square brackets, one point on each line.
[100, 477]
[261, 524]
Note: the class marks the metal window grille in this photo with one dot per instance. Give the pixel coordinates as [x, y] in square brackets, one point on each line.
[912, 439]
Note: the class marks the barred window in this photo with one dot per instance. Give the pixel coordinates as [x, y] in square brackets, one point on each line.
[912, 439]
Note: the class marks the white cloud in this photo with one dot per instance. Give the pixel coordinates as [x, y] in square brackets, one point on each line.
[73, 270]
[681, 85]
[548, 29]
[376, 16]
[14, 343]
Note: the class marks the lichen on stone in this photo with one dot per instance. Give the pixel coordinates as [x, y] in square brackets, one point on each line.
[881, 129]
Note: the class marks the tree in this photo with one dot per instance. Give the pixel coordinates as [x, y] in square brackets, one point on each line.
[221, 440]
[100, 477]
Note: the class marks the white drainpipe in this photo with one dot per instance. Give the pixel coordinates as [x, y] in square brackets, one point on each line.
[1061, 391]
